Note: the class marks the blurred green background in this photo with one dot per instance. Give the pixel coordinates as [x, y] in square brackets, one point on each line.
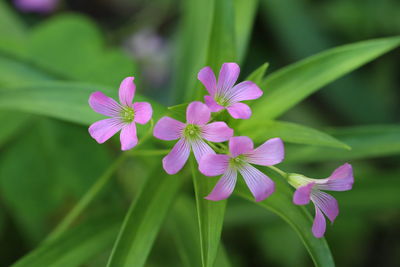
[47, 164]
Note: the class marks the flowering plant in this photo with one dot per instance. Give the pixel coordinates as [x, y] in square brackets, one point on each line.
[189, 128]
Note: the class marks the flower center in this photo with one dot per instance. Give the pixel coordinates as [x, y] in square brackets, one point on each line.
[192, 131]
[127, 114]
[237, 161]
[222, 101]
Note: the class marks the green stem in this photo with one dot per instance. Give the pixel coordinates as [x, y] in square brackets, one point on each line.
[85, 200]
[150, 152]
[95, 189]
[282, 173]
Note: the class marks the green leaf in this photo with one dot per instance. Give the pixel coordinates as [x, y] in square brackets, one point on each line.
[365, 141]
[222, 46]
[144, 219]
[296, 216]
[193, 44]
[61, 100]
[182, 224]
[75, 247]
[65, 175]
[15, 122]
[12, 32]
[289, 132]
[210, 217]
[245, 11]
[16, 72]
[286, 87]
[258, 74]
[71, 47]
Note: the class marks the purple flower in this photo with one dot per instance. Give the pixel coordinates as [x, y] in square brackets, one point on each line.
[124, 115]
[225, 94]
[191, 135]
[241, 155]
[310, 189]
[39, 6]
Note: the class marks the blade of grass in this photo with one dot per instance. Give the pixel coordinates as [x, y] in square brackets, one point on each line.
[366, 142]
[286, 87]
[143, 220]
[210, 216]
[74, 247]
[297, 217]
[289, 132]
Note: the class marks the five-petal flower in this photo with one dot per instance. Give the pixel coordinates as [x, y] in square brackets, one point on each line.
[224, 94]
[241, 155]
[191, 135]
[310, 189]
[124, 116]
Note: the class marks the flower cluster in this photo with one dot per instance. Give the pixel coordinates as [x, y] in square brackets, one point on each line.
[215, 148]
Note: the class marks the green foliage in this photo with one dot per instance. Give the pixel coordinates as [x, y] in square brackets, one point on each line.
[296, 216]
[76, 246]
[365, 141]
[289, 132]
[210, 217]
[46, 165]
[285, 88]
[143, 220]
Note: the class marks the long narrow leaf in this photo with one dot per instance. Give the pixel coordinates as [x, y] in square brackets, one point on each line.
[288, 86]
[61, 100]
[296, 216]
[144, 220]
[210, 217]
[289, 132]
[74, 247]
[365, 141]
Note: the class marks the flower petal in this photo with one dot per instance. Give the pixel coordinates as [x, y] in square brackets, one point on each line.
[227, 78]
[103, 104]
[240, 145]
[198, 113]
[143, 112]
[302, 195]
[200, 149]
[168, 129]
[260, 185]
[212, 105]
[319, 225]
[127, 91]
[207, 78]
[326, 203]
[213, 164]
[224, 188]
[340, 180]
[239, 111]
[246, 90]
[217, 132]
[128, 136]
[270, 153]
[177, 157]
[103, 130]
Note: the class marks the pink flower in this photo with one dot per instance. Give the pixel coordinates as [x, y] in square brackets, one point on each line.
[124, 115]
[191, 135]
[39, 6]
[310, 189]
[225, 94]
[241, 155]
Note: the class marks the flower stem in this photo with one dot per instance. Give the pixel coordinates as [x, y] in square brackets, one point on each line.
[97, 187]
[85, 200]
[282, 173]
[149, 152]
